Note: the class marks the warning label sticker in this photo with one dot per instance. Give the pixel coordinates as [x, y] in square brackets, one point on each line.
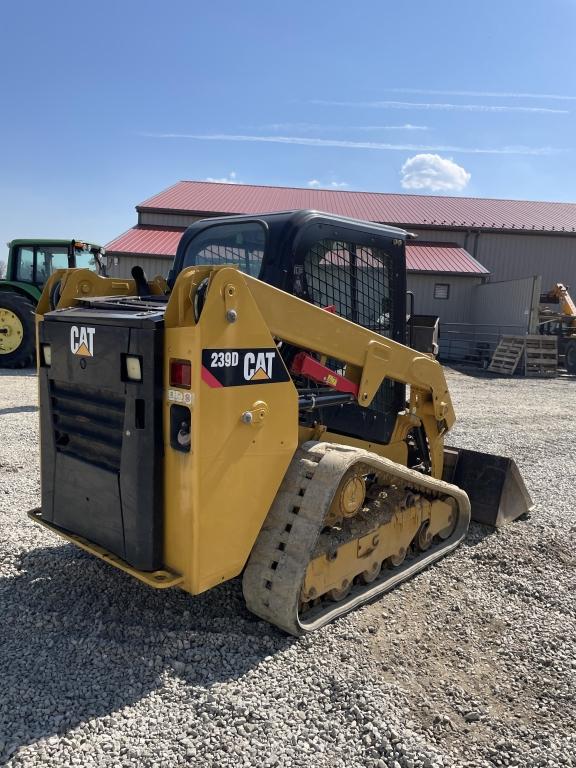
[239, 367]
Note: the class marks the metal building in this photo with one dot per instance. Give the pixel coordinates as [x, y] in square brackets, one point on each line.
[515, 247]
[511, 238]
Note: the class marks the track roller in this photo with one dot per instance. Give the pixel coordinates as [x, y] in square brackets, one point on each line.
[321, 549]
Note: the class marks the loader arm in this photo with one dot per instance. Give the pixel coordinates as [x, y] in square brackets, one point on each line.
[370, 356]
[374, 357]
[567, 304]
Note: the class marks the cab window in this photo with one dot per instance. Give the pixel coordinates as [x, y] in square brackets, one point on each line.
[239, 244]
[355, 279]
[25, 265]
[48, 259]
[85, 259]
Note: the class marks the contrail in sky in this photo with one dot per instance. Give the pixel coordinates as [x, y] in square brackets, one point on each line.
[376, 145]
[441, 107]
[308, 127]
[487, 94]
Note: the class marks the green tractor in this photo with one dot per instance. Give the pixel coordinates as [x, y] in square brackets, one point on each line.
[30, 264]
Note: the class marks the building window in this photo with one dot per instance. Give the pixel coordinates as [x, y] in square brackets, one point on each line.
[441, 290]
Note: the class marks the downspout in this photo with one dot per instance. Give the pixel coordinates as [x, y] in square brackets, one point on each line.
[476, 239]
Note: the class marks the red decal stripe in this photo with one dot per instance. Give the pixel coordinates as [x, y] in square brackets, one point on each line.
[209, 378]
[305, 365]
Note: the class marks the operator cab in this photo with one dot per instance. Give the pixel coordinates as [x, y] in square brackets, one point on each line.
[33, 261]
[353, 268]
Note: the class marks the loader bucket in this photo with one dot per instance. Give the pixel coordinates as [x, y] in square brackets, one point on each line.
[493, 483]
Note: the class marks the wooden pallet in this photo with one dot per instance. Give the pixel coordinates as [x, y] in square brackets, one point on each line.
[541, 356]
[507, 355]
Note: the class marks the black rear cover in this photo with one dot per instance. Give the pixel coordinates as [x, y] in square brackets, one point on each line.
[101, 435]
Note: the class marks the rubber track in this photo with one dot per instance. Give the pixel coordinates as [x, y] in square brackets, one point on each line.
[285, 546]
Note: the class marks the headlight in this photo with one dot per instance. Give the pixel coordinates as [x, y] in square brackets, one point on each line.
[46, 355]
[133, 368]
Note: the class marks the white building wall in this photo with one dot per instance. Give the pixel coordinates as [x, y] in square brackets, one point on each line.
[152, 265]
[508, 303]
[515, 255]
[512, 256]
[495, 309]
[455, 309]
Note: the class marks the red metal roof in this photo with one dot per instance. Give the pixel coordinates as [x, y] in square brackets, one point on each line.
[420, 257]
[147, 241]
[411, 210]
[441, 257]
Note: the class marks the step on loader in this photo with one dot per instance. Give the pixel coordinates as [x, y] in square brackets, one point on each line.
[259, 413]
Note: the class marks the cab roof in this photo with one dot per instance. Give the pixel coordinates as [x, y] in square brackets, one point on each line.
[300, 217]
[48, 241]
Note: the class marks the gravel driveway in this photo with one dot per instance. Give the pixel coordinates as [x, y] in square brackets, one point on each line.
[472, 663]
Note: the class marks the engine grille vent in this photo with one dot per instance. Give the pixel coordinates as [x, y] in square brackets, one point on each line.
[88, 424]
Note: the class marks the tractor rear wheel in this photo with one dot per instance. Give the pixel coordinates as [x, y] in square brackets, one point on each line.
[17, 331]
[570, 357]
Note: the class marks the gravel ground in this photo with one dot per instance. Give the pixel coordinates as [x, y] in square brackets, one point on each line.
[472, 663]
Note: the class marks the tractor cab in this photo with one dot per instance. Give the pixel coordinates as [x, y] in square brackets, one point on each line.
[30, 263]
[33, 261]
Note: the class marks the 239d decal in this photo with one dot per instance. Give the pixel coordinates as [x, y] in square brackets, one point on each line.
[239, 367]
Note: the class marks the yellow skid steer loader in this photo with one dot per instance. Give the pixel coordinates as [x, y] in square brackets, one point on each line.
[258, 413]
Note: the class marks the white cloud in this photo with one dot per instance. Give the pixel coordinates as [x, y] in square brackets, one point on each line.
[230, 179]
[433, 173]
[346, 144]
[317, 184]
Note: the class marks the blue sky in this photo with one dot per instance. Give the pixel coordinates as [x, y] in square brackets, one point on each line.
[106, 103]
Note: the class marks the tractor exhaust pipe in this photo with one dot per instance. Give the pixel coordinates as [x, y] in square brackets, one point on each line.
[493, 483]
